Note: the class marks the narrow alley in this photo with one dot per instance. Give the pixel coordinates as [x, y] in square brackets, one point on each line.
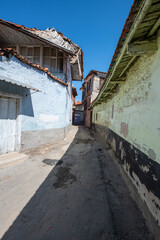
[70, 190]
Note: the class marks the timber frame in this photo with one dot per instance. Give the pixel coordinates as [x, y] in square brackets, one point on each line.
[139, 36]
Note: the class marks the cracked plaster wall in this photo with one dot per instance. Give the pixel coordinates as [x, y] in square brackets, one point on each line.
[130, 122]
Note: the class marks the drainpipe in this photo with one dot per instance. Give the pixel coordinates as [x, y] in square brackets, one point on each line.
[142, 12]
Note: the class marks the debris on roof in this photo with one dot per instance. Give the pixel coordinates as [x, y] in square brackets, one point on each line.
[50, 35]
[53, 36]
[22, 35]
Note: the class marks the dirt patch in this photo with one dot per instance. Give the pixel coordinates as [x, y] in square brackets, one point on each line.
[63, 177]
[100, 150]
[59, 163]
[50, 162]
[6, 178]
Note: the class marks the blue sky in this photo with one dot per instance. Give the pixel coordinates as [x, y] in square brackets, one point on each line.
[94, 25]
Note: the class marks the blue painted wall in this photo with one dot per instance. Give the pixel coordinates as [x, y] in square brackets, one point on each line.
[48, 109]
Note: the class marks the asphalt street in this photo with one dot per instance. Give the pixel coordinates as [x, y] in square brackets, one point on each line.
[81, 195]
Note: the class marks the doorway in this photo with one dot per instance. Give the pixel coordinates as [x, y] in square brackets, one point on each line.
[8, 123]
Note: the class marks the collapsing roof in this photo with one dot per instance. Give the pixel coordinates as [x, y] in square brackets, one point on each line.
[141, 24]
[11, 33]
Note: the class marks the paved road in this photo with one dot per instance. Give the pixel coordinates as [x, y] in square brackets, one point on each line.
[83, 197]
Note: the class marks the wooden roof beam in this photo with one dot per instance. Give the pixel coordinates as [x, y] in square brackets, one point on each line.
[115, 82]
[141, 47]
[108, 92]
[118, 80]
[154, 28]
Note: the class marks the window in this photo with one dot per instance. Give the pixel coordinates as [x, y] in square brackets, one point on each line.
[60, 65]
[101, 83]
[83, 94]
[31, 53]
[96, 116]
[112, 111]
[89, 85]
[53, 59]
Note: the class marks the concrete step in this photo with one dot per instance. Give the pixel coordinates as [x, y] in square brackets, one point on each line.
[12, 158]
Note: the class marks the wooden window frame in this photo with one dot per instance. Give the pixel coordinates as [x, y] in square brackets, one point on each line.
[56, 58]
[31, 58]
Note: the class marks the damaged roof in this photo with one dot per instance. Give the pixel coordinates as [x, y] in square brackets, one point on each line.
[7, 51]
[15, 34]
[56, 37]
[51, 36]
[142, 23]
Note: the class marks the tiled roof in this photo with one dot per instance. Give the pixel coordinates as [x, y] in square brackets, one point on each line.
[78, 103]
[129, 21]
[102, 74]
[32, 36]
[133, 16]
[5, 52]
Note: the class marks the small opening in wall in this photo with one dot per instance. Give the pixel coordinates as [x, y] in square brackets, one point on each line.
[96, 116]
[112, 111]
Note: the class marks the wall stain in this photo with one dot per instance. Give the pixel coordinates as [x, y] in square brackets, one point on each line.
[151, 154]
[134, 159]
[124, 129]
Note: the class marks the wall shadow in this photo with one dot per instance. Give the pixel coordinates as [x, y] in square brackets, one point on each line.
[82, 198]
[25, 93]
[52, 210]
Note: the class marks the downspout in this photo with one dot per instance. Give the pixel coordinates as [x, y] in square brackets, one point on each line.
[142, 12]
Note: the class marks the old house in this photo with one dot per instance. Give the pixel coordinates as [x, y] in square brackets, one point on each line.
[74, 94]
[126, 111]
[78, 113]
[90, 89]
[36, 72]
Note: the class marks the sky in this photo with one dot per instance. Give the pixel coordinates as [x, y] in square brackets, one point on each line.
[93, 25]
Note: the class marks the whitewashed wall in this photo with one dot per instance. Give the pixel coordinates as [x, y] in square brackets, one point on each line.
[45, 116]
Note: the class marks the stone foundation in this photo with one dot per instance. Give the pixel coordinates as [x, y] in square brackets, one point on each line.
[33, 139]
[144, 172]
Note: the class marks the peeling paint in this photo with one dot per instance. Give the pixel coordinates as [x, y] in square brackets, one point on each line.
[143, 171]
[152, 154]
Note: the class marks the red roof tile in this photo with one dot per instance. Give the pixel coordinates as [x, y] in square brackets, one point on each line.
[78, 103]
[129, 21]
[7, 51]
[95, 72]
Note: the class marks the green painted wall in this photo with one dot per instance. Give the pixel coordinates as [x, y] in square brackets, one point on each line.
[134, 112]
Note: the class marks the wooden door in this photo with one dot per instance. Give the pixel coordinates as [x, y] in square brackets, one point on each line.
[8, 115]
